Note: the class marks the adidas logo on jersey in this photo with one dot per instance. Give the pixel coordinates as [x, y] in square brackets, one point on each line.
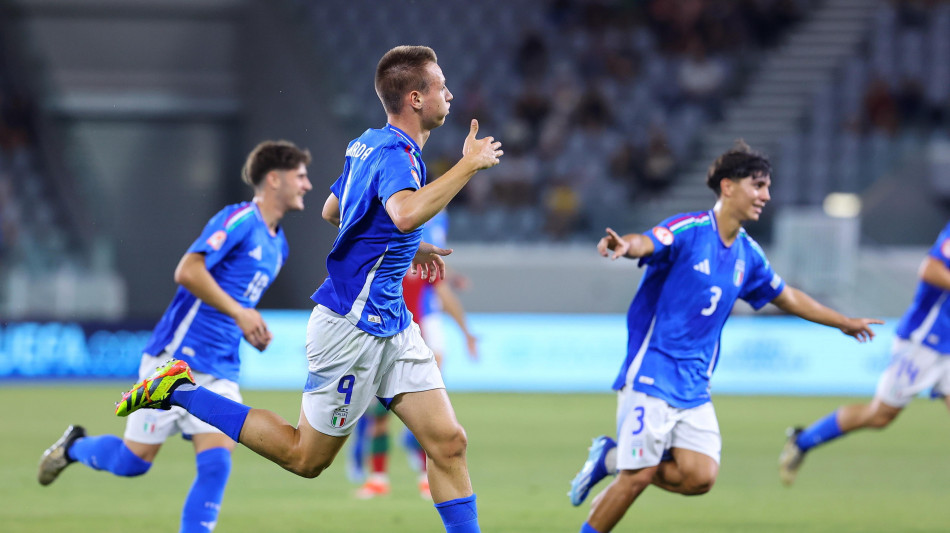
[702, 266]
[256, 253]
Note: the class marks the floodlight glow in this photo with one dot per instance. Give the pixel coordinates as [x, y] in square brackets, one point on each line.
[842, 205]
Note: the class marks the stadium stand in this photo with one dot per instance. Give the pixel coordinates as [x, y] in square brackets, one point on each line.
[599, 104]
[883, 105]
[46, 268]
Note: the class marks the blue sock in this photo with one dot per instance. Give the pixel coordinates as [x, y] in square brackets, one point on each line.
[203, 503]
[459, 515]
[822, 431]
[222, 413]
[587, 529]
[109, 453]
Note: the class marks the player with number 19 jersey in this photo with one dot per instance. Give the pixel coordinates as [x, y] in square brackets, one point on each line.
[686, 294]
[370, 255]
[244, 259]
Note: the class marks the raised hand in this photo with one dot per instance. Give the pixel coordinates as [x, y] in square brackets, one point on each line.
[484, 152]
[614, 242]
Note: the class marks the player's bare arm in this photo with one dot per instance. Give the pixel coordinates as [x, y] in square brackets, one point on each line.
[428, 262]
[453, 306]
[192, 274]
[632, 245]
[796, 302]
[331, 210]
[935, 272]
[410, 209]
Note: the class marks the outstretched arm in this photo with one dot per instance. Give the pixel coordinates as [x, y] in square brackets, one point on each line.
[193, 275]
[410, 209]
[631, 245]
[453, 306]
[796, 302]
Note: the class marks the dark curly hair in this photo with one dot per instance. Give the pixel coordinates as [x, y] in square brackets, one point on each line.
[739, 162]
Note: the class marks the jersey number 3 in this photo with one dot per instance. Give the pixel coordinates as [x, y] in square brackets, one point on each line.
[713, 301]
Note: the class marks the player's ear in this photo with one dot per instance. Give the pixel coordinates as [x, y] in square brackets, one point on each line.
[415, 99]
[725, 187]
[272, 179]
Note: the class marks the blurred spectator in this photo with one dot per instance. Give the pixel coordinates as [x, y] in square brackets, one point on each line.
[514, 184]
[625, 167]
[474, 105]
[911, 103]
[532, 107]
[562, 209]
[592, 111]
[659, 163]
[531, 59]
[9, 217]
[880, 107]
[913, 13]
[701, 78]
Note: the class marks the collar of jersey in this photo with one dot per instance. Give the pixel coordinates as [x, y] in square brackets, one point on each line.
[405, 136]
[260, 218]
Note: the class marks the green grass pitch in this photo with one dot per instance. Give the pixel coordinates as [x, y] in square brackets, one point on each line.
[523, 450]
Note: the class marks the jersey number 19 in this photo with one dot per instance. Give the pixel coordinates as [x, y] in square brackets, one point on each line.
[256, 287]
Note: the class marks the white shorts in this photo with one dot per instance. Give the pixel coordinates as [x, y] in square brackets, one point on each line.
[914, 368]
[432, 332]
[348, 367]
[154, 426]
[646, 426]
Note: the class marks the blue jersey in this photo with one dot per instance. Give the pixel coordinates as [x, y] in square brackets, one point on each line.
[675, 321]
[243, 258]
[927, 321]
[370, 255]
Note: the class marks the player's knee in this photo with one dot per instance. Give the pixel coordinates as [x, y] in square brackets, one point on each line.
[309, 468]
[302, 463]
[881, 420]
[700, 480]
[697, 486]
[449, 445]
[633, 482]
[882, 416]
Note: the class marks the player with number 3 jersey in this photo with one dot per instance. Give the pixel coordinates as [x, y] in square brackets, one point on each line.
[697, 266]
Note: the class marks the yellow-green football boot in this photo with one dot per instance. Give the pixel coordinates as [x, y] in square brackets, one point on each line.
[154, 392]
